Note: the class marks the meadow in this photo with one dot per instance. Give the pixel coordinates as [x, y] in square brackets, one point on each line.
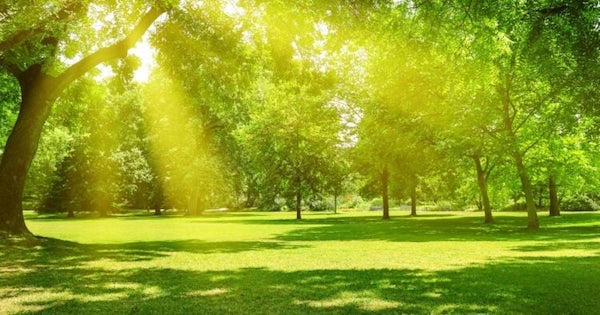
[269, 263]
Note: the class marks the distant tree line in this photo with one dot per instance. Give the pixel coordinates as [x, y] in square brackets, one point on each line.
[488, 104]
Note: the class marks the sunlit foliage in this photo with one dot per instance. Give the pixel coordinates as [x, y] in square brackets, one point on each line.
[266, 103]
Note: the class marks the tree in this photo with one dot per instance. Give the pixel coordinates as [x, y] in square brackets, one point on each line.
[533, 75]
[31, 52]
[291, 139]
[530, 50]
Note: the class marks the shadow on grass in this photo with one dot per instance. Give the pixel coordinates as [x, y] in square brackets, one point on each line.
[61, 281]
[140, 215]
[56, 252]
[441, 228]
[60, 277]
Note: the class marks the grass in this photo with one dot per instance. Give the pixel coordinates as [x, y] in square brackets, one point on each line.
[268, 263]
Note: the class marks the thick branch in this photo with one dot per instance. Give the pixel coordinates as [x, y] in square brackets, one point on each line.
[10, 67]
[117, 50]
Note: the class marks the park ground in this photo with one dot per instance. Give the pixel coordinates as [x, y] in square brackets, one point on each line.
[269, 263]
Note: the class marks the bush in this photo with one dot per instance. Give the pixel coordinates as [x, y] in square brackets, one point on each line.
[319, 205]
[580, 202]
[375, 202]
[355, 203]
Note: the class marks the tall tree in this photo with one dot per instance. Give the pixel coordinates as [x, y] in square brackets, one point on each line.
[32, 49]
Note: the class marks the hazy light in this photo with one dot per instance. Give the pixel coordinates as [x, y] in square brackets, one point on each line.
[145, 52]
[231, 8]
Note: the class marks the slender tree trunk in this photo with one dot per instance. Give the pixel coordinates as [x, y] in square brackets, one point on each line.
[508, 120]
[194, 203]
[335, 198]
[20, 149]
[554, 207]
[384, 193]
[298, 205]
[413, 200]
[483, 191]
[533, 222]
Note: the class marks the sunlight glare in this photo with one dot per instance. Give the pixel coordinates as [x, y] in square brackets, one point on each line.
[145, 52]
[182, 156]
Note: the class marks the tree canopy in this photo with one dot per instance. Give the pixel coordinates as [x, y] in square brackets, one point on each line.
[486, 104]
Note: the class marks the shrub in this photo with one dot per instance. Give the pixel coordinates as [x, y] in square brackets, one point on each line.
[581, 202]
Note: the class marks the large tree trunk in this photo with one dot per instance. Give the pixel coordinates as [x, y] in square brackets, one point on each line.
[38, 93]
[20, 149]
[384, 193]
[481, 182]
[554, 207]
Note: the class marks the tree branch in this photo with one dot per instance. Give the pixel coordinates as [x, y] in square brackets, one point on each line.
[117, 50]
[10, 67]
[25, 34]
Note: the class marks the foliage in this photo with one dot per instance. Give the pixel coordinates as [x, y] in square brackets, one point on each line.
[287, 105]
[581, 202]
[9, 99]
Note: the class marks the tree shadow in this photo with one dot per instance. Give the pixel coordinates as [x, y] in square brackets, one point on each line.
[57, 277]
[141, 215]
[512, 286]
[56, 252]
[441, 228]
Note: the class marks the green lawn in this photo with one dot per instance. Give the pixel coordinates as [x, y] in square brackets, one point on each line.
[268, 263]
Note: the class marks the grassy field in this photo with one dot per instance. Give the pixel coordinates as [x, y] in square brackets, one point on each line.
[268, 263]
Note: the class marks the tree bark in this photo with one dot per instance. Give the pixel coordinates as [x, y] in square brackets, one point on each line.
[384, 193]
[335, 198]
[554, 207]
[298, 205]
[483, 191]
[513, 145]
[413, 200]
[533, 222]
[195, 203]
[20, 150]
[38, 93]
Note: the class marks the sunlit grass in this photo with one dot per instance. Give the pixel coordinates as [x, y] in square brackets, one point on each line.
[270, 263]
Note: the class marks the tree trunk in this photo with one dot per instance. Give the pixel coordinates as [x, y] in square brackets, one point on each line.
[38, 93]
[384, 193]
[485, 199]
[335, 198]
[540, 202]
[513, 145]
[413, 200]
[554, 207]
[533, 222]
[298, 205]
[194, 203]
[20, 149]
